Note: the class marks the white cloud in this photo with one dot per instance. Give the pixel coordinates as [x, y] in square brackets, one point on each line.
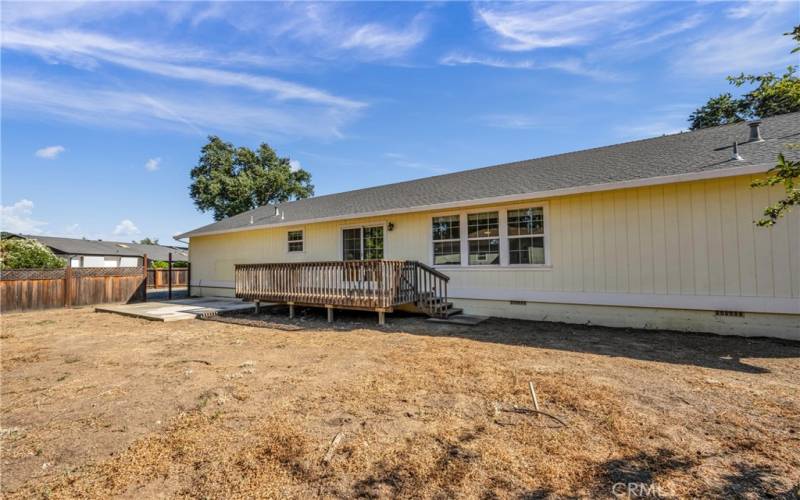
[17, 218]
[198, 112]
[750, 42]
[83, 50]
[126, 227]
[385, 42]
[529, 26]
[50, 152]
[152, 164]
[295, 164]
[571, 65]
[72, 229]
[511, 121]
[400, 160]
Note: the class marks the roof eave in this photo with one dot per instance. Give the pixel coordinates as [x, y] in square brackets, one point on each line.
[610, 186]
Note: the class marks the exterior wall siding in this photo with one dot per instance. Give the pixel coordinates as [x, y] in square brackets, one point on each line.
[688, 245]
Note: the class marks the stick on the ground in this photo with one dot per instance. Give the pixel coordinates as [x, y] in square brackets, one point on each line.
[336, 440]
[533, 397]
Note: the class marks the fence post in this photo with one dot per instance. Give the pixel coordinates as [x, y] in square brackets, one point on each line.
[169, 277]
[144, 283]
[67, 284]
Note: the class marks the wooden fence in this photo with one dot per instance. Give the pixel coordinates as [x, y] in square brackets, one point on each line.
[159, 278]
[27, 289]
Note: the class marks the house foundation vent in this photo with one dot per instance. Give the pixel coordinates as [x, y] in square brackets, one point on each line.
[518, 303]
[734, 314]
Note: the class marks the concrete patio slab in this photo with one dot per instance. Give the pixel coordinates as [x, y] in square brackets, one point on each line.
[177, 310]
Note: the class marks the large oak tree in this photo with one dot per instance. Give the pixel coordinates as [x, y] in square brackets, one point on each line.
[229, 180]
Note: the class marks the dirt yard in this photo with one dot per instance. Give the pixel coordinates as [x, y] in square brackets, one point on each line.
[98, 405]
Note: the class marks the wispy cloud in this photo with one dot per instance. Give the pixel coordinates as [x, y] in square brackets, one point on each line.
[50, 152]
[295, 165]
[384, 41]
[126, 227]
[661, 120]
[86, 49]
[750, 42]
[18, 218]
[529, 26]
[199, 112]
[511, 121]
[570, 65]
[152, 164]
[402, 161]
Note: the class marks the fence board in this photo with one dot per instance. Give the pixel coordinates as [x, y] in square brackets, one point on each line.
[30, 289]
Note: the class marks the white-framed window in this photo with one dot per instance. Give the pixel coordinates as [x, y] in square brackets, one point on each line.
[362, 243]
[446, 240]
[483, 236]
[506, 237]
[526, 236]
[295, 241]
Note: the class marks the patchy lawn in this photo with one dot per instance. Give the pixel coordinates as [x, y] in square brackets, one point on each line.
[103, 405]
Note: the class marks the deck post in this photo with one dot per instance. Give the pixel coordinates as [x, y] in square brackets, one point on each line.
[330, 313]
[291, 310]
[381, 317]
[258, 307]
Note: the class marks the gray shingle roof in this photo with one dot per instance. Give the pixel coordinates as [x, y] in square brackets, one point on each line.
[683, 153]
[75, 246]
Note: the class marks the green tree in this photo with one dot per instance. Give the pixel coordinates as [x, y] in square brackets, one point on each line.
[27, 254]
[229, 180]
[148, 241]
[786, 172]
[772, 95]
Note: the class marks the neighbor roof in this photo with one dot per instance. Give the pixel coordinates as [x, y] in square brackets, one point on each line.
[75, 246]
[698, 152]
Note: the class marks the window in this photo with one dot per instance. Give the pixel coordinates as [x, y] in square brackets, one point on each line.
[526, 236]
[362, 243]
[483, 236]
[295, 241]
[446, 240]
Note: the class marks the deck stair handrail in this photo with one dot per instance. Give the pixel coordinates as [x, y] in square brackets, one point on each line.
[373, 284]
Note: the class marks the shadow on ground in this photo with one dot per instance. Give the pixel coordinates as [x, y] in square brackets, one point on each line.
[698, 349]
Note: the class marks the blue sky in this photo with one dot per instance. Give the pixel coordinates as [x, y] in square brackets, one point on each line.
[105, 106]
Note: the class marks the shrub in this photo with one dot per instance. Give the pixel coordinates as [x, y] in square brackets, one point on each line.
[163, 264]
[27, 254]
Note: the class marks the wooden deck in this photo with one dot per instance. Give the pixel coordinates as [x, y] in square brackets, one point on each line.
[378, 285]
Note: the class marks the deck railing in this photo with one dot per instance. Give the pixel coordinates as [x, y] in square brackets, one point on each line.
[374, 284]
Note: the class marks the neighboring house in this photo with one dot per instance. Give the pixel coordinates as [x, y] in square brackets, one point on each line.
[656, 233]
[98, 253]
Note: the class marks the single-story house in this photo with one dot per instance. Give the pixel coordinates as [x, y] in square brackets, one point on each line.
[98, 253]
[654, 233]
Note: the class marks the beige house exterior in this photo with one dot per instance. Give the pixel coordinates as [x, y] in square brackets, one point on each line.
[677, 252]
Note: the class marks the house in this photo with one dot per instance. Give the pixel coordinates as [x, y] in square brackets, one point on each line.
[98, 253]
[655, 233]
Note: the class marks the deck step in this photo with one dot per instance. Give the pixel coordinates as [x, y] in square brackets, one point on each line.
[453, 311]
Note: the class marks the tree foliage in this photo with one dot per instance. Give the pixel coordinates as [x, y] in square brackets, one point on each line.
[786, 172]
[229, 180]
[27, 254]
[148, 241]
[772, 95]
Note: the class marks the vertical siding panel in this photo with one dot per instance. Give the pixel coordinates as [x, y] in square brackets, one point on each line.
[576, 251]
[685, 266]
[716, 255]
[646, 249]
[781, 263]
[587, 245]
[557, 234]
[699, 238]
[659, 240]
[634, 241]
[621, 231]
[765, 285]
[793, 223]
[746, 233]
[609, 243]
[598, 244]
[730, 236]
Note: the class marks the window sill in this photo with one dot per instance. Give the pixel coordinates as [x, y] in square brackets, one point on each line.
[489, 267]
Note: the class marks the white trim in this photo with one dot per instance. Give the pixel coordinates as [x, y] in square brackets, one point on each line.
[382, 224]
[777, 305]
[591, 188]
[302, 241]
[502, 213]
[214, 283]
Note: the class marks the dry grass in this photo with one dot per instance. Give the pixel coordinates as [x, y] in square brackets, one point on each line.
[97, 405]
